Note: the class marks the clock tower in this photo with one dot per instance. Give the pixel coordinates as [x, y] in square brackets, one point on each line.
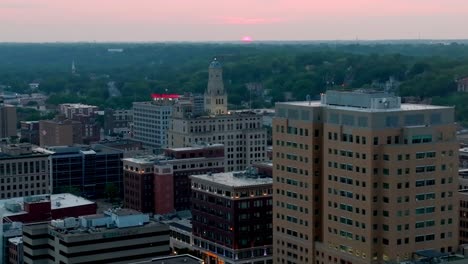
[215, 95]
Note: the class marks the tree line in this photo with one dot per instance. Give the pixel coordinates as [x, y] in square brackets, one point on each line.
[424, 70]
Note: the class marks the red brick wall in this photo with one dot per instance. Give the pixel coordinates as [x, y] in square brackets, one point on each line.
[163, 193]
[41, 211]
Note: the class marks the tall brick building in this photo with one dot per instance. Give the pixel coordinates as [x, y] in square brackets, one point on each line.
[232, 217]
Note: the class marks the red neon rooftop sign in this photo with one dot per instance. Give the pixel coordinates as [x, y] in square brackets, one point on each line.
[165, 96]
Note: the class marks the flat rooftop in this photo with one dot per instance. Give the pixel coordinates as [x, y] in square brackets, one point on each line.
[99, 148]
[257, 111]
[76, 149]
[67, 200]
[18, 151]
[145, 159]
[79, 230]
[404, 107]
[246, 113]
[179, 259]
[183, 224]
[34, 154]
[233, 179]
[153, 159]
[266, 163]
[57, 201]
[157, 103]
[126, 212]
[463, 150]
[78, 105]
[16, 240]
[196, 147]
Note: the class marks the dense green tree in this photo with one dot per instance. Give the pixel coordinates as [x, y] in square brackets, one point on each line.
[424, 70]
[111, 191]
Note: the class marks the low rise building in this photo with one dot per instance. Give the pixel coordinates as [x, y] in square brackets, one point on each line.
[39, 208]
[118, 121]
[131, 148]
[60, 132]
[160, 183]
[34, 101]
[85, 169]
[180, 224]
[232, 217]
[87, 116]
[70, 110]
[29, 132]
[15, 250]
[90, 128]
[23, 171]
[16, 212]
[117, 236]
[11, 230]
[197, 159]
[181, 235]
[179, 259]
[462, 85]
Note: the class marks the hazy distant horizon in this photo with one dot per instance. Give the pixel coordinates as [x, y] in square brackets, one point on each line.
[465, 40]
[49, 21]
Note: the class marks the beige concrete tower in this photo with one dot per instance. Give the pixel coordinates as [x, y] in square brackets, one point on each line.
[361, 178]
[215, 95]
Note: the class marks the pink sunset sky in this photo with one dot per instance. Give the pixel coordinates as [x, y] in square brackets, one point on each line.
[218, 20]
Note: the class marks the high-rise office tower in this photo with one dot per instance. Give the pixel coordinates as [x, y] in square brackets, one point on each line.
[241, 133]
[151, 121]
[361, 178]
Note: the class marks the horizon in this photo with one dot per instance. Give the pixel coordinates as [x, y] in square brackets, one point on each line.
[240, 42]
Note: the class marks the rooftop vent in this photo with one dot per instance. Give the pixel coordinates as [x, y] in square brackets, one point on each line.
[13, 207]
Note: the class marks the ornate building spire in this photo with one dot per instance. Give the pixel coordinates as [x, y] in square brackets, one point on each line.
[215, 95]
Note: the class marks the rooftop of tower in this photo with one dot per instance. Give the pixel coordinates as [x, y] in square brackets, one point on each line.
[234, 179]
[365, 101]
[215, 64]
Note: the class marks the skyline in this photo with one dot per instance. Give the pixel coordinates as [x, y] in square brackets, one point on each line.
[209, 20]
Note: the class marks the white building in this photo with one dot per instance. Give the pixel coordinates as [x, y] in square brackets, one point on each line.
[116, 236]
[151, 121]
